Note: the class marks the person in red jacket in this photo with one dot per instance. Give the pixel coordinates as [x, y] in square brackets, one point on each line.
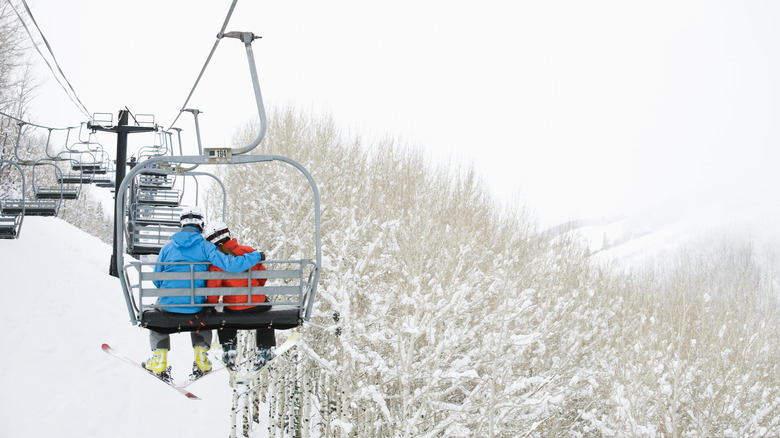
[218, 233]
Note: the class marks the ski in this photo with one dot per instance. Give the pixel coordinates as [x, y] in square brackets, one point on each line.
[192, 379]
[107, 348]
[292, 341]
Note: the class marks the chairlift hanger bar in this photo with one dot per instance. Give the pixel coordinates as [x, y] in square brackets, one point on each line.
[121, 128]
[22, 122]
[246, 37]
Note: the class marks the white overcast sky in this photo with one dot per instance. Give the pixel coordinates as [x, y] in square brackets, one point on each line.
[583, 108]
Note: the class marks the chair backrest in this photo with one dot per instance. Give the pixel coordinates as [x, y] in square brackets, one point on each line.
[289, 283]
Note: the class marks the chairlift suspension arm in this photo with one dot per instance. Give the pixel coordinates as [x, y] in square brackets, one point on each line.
[18, 140]
[169, 141]
[195, 113]
[247, 38]
[48, 140]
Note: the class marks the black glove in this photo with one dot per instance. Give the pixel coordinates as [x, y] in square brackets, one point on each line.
[262, 255]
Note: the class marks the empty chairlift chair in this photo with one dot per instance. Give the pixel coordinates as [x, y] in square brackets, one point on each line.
[58, 191]
[153, 213]
[74, 177]
[11, 221]
[32, 207]
[106, 180]
[10, 226]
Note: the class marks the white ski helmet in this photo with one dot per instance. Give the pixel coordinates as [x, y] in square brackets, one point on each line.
[191, 216]
[216, 232]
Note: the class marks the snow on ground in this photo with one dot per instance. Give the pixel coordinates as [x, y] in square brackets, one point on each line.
[60, 306]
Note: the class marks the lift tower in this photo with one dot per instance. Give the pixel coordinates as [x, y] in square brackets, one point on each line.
[121, 129]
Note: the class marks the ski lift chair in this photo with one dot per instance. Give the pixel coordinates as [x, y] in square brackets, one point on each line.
[107, 181]
[85, 145]
[159, 148]
[91, 162]
[74, 176]
[95, 168]
[10, 226]
[153, 211]
[42, 207]
[11, 221]
[30, 207]
[61, 191]
[292, 283]
[148, 239]
[152, 219]
[167, 197]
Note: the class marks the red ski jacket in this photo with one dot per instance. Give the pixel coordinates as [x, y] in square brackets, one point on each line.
[238, 250]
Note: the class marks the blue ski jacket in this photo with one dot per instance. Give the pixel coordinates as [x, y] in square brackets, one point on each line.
[188, 245]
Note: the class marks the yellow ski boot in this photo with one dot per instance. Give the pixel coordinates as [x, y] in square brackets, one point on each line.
[158, 364]
[202, 364]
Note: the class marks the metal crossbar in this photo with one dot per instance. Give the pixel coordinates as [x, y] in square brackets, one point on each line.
[149, 238]
[155, 182]
[57, 192]
[159, 197]
[30, 208]
[288, 286]
[156, 214]
[91, 168]
[75, 178]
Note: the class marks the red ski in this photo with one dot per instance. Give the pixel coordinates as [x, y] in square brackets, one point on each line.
[107, 348]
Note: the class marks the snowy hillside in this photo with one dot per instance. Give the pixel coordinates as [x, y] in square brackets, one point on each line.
[642, 236]
[61, 305]
[57, 381]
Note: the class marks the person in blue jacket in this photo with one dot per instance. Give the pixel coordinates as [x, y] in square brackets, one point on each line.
[188, 245]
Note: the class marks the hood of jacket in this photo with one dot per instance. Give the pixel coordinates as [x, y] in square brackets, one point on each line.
[186, 238]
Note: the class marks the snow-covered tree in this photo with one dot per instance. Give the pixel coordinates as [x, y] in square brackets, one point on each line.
[456, 318]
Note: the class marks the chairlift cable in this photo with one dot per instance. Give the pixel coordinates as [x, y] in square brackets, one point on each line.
[79, 104]
[208, 59]
[24, 122]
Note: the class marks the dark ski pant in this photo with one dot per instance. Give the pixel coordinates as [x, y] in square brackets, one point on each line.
[265, 336]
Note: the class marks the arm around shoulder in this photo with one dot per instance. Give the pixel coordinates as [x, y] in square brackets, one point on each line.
[230, 263]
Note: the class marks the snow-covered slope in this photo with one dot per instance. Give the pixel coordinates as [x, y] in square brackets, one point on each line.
[60, 305]
[646, 235]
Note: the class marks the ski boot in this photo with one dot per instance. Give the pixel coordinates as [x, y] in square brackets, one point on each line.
[229, 356]
[158, 364]
[202, 364]
[263, 356]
